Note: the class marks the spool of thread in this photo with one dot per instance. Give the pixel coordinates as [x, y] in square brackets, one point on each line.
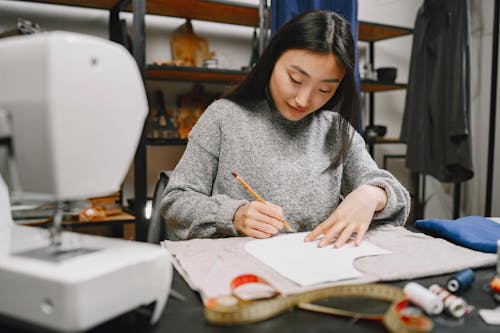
[461, 280]
[424, 298]
[453, 304]
[495, 288]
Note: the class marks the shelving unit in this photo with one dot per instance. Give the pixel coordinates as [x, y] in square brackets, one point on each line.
[372, 33]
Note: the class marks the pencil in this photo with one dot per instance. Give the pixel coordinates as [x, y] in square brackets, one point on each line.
[255, 195]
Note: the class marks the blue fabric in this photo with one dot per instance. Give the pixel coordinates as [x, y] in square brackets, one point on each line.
[474, 232]
[283, 10]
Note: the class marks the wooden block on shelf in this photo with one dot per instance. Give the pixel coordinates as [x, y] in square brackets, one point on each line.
[129, 231]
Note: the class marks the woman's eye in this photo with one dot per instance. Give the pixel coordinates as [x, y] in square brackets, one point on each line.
[324, 91]
[293, 80]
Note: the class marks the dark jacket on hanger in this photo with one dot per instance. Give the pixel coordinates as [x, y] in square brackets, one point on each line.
[436, 122]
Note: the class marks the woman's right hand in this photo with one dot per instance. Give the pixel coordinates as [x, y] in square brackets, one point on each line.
[258, 220]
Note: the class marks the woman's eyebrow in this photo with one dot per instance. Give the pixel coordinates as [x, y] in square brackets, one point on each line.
[302, 71]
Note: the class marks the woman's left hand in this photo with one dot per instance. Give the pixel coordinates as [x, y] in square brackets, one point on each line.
[352, 216]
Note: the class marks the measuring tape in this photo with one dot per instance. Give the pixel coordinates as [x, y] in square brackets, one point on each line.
[228, 310]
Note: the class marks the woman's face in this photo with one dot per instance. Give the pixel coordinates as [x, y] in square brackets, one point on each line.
[303, 81]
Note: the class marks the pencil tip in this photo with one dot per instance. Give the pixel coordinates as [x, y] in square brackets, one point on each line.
[234, 174]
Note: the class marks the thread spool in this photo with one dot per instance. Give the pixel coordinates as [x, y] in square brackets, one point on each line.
[495, 288]
[424, 298]
[461, 280]
[454, 305]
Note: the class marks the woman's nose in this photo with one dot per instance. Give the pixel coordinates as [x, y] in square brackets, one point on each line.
[302, 98]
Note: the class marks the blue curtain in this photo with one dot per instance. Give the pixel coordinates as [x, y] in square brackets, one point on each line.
[284, 10]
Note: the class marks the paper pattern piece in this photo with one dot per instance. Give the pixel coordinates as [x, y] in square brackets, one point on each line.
[305, 263]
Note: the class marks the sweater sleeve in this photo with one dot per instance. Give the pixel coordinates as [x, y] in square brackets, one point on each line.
[188, 206]
[360, 169]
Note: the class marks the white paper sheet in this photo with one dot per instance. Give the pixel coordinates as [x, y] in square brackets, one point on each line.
[306, 264]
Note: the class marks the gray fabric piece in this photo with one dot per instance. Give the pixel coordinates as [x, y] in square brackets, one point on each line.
[209, 265]
[285, 162]
[436, 122]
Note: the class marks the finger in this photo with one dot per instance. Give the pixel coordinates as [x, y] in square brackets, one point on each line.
[265, 226]
[360, 234]
[255, 233]
[264, 223]
[277, 224]
[313, 234]
[267, 214]
[332, 234]
[344, 237]
[274, 211]
[318, 231]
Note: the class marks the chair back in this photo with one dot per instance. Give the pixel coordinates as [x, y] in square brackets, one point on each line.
[157, 230]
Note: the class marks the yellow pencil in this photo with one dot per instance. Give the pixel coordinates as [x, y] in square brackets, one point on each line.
[255, 195]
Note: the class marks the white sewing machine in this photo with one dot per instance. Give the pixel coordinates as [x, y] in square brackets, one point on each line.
[77, 105]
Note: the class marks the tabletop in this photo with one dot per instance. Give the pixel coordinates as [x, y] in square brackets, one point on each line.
[187, 315]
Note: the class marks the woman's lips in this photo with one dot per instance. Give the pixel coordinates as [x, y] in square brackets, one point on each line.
[297, 110]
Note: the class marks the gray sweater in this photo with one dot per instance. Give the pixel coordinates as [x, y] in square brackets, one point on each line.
[285, 162]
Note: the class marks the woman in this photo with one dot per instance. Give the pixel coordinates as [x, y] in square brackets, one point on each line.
[278, 131]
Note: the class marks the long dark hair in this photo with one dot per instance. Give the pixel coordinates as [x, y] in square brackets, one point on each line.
[318, 31]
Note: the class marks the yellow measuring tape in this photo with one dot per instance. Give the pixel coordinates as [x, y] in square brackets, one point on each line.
[230, 310]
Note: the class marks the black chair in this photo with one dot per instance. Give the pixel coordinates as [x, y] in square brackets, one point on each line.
[157, 229]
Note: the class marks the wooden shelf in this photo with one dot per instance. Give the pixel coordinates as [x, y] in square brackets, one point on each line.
[166, 142]
[385, 139]
[194, 74]
[206, 11]
[96, 4]
[372, 32]
[192, 9]
[227, 13]
[122, 218]
[370, 85]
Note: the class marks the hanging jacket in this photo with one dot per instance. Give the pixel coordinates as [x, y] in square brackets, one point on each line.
[436, 122]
